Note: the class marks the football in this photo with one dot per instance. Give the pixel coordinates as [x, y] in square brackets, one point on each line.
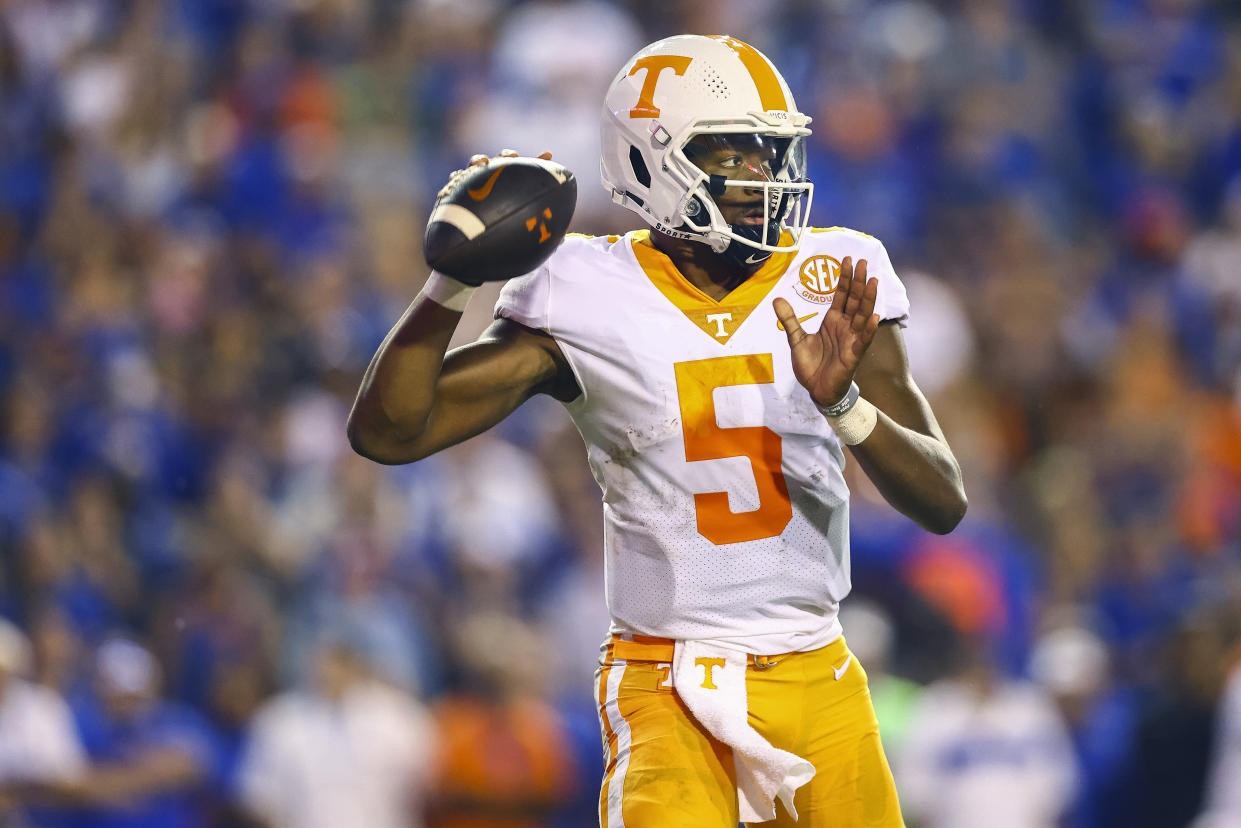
[500, 220]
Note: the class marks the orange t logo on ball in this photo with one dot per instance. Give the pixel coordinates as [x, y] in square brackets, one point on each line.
[533, 220]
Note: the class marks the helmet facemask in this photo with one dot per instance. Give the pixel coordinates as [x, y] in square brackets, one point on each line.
[747, 192]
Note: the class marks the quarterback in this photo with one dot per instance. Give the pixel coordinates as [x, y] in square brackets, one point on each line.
[718, 366]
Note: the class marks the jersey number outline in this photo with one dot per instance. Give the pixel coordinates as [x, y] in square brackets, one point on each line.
[705, 439]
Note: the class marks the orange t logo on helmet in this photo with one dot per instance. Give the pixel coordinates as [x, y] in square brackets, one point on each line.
[654, 66]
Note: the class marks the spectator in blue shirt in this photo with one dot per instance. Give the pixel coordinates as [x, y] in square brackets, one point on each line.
[153, 758]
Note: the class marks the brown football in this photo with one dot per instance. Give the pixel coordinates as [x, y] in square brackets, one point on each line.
[502, 219]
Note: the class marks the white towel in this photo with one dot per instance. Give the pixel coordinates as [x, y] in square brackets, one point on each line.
[711, 681]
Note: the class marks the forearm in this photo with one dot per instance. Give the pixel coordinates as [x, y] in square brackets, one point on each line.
[417, 397]
[398, 390]
[916, 473]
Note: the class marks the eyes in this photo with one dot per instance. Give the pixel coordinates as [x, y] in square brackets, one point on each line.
[741, 155]
[759, 162]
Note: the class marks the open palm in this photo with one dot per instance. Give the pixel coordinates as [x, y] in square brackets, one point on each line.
[825, 361]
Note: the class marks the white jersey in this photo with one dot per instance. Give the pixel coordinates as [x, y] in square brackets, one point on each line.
[726, 514]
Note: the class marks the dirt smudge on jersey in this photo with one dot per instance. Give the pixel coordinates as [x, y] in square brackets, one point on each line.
[643, 437]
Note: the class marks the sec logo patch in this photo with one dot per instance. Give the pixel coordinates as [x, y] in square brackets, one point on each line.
[819, 275]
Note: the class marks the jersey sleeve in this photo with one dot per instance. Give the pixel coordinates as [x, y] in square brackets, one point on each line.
[892, 302]
[524, 299]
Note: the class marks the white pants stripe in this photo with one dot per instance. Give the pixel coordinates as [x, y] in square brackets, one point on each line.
[616, 722]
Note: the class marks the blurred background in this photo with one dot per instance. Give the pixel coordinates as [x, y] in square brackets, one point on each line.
[210, 215]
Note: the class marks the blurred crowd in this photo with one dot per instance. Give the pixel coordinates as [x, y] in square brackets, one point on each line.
[211, 213]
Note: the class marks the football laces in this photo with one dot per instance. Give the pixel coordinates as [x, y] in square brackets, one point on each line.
[453, 181]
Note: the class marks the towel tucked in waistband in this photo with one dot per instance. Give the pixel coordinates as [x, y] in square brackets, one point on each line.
[710, 679]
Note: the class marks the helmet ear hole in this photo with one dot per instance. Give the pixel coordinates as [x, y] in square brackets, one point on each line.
[639, 167]
[696, 211]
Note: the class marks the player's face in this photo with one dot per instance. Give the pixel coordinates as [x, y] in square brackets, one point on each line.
[738, 157]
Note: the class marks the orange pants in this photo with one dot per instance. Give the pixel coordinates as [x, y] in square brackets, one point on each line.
[664, 769]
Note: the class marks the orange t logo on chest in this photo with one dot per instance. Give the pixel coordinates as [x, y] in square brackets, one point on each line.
[654, 66]
[707, 665]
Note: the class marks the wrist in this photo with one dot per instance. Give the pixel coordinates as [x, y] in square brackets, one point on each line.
[843, 405]
[447, 291]
[852, 417]
[857, 423]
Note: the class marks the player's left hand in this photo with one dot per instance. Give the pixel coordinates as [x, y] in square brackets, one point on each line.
[825, 361]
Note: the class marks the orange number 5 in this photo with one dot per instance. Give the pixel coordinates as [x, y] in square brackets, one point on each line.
[706, 440]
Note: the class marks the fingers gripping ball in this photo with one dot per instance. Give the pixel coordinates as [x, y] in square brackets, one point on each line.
[500, 219]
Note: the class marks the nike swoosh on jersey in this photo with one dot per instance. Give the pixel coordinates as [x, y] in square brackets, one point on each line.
[800, 319]
[485, 190]
[840, 671]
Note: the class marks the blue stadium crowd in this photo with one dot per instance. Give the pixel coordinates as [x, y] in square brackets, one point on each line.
[213, 613]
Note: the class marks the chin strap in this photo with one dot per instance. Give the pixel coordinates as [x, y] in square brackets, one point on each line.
[742, 253]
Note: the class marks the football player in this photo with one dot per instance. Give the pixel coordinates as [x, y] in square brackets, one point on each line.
[717, 367]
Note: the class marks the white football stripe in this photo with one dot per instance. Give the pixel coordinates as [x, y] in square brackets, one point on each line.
[557, 171]
[460, 218]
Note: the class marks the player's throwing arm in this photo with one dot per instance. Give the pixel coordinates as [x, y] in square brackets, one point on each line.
[494, 220]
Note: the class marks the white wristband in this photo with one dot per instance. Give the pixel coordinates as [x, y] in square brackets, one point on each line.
[447, 291]
[856, 424]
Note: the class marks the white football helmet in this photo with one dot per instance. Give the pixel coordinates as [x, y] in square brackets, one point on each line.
[687, 87]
